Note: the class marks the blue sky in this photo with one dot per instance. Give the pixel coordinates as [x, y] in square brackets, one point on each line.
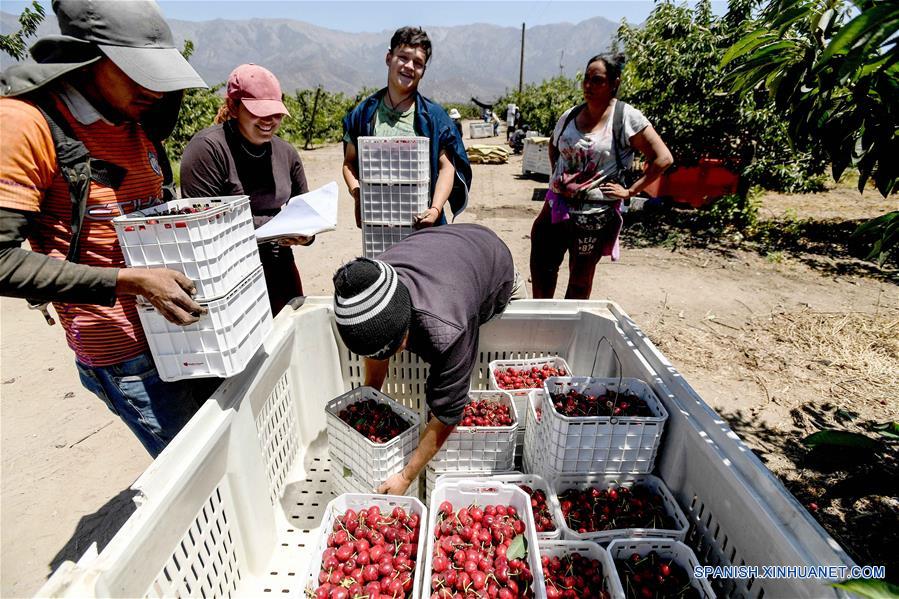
[358, 16]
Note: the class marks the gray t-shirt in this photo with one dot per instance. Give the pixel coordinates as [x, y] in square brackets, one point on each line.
[458, 276]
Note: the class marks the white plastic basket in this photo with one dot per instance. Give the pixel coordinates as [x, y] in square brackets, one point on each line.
[343, 481]
[216, 247]
[221, 343]
[600, 443]
[394, 159]
[356, 501]
[581, 481]
[589, 550]
[481, 448]
[520, 396]
[393, 203]
[535, 158]
[480, 130]
[376, 238]
[534, 481]
[464, 493]
[366, 460]
[676, 551]
[433, 476]
[531, 459]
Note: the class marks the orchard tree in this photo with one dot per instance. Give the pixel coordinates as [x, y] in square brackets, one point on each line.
[674, 76]
[13, 44]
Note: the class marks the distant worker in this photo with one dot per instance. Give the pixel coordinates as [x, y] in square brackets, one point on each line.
[591, 152]
[457, 120]
[399, 110]
[511, 111]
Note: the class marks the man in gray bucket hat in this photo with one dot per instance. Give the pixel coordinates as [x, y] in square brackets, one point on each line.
[82, 143]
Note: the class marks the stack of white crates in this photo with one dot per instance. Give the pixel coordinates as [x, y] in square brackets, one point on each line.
[480, 130]
[212, 241]
[394, 175]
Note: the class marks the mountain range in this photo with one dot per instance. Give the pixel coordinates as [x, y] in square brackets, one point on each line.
[477, 60]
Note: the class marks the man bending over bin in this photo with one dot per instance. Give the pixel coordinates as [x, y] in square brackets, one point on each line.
[428, 294]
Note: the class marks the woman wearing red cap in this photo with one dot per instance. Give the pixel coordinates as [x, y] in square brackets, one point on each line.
[239, 155]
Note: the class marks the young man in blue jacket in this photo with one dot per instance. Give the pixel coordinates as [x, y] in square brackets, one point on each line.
[399, 110]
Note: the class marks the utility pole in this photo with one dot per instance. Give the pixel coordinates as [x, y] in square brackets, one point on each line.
[310, 128]
[561, 63]
[521, 66]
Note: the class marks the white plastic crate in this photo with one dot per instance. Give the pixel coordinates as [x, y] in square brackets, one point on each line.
[433, 476]
[589, 550]
[366, 460]
[393, 203]
[257, 455]
[520, 396]
[484, 448]
[535, 157]
[464, 493]
[581, 481]
[610, 444]
[216, 247]
[356, 501]
[534, 481]
[376, 238]
[530, 459]
[676, 551]
[221, 343]
[480, 130]
[394, 159]
[343, 481]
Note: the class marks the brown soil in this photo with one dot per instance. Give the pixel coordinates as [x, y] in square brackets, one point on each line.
[782, 333]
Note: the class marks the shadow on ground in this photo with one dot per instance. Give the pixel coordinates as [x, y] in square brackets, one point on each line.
[98, 528]
[823, 245]
[851, 492]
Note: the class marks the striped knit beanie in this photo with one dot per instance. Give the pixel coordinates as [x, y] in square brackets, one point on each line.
[372, 307]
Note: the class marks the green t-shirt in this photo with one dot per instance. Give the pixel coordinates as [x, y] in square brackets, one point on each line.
[393, 123]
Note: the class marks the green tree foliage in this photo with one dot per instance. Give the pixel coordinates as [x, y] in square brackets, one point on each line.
[832, 68]
[542, 104]
[673, 75]
[13, 44]
[328, 123]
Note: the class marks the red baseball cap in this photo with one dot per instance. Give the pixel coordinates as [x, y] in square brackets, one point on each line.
[258, 89]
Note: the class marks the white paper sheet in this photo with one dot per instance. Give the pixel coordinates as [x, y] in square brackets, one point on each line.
[307, 214]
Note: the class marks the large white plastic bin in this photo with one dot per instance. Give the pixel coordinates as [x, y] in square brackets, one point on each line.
[394, 159]
[221, 343]
[249, 476]
[215, 247]
[366, 460]
[535, 156]
[480, 130]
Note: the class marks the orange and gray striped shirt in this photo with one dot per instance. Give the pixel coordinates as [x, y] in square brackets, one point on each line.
[30, 181]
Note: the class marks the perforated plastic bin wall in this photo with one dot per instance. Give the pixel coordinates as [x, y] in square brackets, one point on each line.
[530, 459]
[520, 396]
[393, 203]
[518, 479]
[480, 130]
[583, 481]
[588, 549]
[368, 461]
[376, 238]
[487, 448]
[221, 343]
[394, 159]
[600, 443]
[215, 247]
[233, 507]
[464, 493]
[359, 501]
[680, 554]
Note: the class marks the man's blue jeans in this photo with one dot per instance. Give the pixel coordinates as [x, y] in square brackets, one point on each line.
[153, 409]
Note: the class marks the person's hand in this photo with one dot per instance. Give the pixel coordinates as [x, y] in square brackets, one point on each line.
[296, 240]
[426, 218]
[397, 484]
[614, 191]
[170, 292]
[357, 198]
